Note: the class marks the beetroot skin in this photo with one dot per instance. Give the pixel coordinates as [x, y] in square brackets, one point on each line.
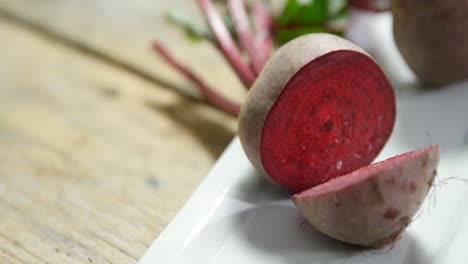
[432, 37]
[318, 114]
[321, 108]
[373, 205]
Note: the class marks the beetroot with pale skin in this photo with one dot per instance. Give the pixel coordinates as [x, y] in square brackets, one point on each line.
[373, 205]
[317, 115]
[432, 36]
[320, 108]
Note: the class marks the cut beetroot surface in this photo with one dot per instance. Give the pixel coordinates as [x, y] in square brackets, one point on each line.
[365, 173]
[334, 116]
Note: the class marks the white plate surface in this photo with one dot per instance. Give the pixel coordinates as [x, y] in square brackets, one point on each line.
[236, 217]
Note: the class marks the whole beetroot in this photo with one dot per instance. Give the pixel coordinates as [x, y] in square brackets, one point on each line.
[433, 38]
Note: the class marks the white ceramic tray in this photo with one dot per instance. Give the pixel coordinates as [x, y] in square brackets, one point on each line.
[236, 217]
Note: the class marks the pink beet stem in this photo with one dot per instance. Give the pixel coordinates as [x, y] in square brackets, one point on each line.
[262, 22]
[371, 5]
[226, 43]
[211, 96]
[242, 27]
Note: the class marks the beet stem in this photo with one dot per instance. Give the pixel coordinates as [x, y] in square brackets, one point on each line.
[263, 22]
[212, 97]
[225, 42]
[242, 27]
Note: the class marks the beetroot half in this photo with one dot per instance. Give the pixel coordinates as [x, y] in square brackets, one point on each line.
[320, 108]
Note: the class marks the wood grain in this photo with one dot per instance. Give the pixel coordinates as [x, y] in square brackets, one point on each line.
[123, 31]
[95, 159]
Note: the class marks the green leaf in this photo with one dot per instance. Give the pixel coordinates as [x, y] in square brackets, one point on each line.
[304, 11]
[227, 19]
[337, 8]
[311, 11]
[194, 31]
[300, 17]
[342, 14]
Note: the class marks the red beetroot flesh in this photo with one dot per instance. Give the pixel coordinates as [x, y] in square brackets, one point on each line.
[365, 173]
[333, 116]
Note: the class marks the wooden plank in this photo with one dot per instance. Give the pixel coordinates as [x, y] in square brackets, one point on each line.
[123, 31]
[94, 161]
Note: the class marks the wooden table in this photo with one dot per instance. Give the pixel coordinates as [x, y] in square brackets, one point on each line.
[101, 142]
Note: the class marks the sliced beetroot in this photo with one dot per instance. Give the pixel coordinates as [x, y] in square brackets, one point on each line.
[320, 108]
[334, 116]
[373, 205]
